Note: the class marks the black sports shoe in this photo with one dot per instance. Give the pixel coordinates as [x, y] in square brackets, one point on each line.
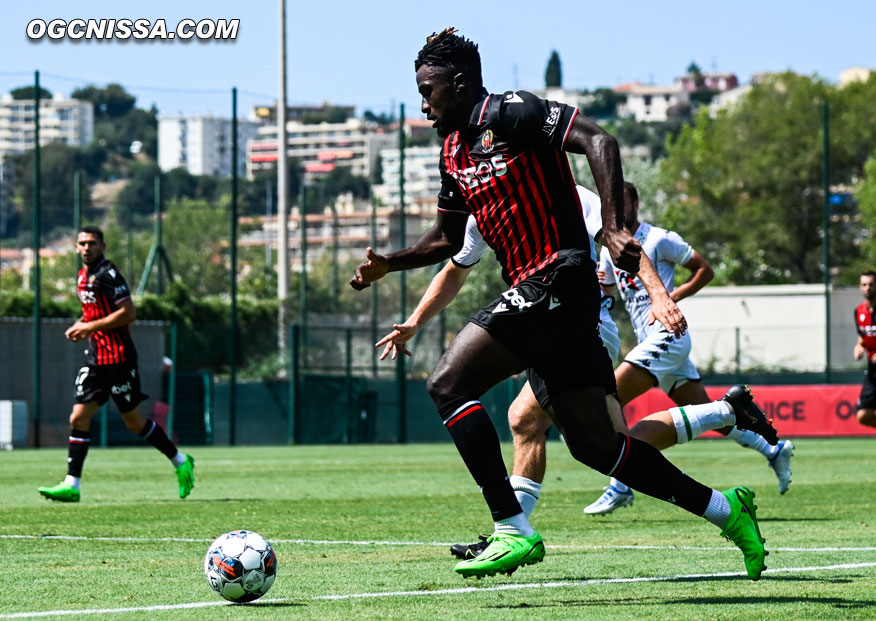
[748, 415]
[473, 550]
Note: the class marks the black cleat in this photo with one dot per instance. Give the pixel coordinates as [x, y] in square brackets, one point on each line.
[465, 552]
[748, 415]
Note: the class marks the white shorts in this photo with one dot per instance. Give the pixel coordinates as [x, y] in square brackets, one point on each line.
[609, 335]
[667, 358]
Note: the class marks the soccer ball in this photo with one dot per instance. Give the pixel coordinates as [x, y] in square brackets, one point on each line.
[240, 566]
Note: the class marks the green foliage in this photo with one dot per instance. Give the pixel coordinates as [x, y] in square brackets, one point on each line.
[553, 74]
[745, 188]
[604, 104]
[117, 123]
[19, 303]
[27, 92]
[58, 162]
[867, 205]
[110, 102]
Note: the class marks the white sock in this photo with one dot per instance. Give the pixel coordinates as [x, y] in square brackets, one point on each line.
[178, 460]
[514, 525]
[621, 487]
[72, 481]
[749, 439]
[694, 420]
[718, 510]
[527, 492]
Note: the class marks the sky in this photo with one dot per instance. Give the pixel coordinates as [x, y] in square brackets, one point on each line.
[361, 52]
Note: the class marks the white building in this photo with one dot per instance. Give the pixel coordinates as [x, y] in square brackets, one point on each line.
[321, 147]
[202, 144]
[651, 103]
[422, 176]
[69, 121]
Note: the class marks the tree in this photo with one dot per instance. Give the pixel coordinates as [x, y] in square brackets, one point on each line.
[553, 75]
[58, 162]
[26, 92]
[745, 187]
[110, 102]
[117, 123]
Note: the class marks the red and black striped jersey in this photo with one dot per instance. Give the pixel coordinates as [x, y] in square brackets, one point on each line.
[866, 324]
[101, 289]
[508, 170]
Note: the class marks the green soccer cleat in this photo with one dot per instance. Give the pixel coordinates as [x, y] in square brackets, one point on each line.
[185, 474]
[504, 555]
[742, 529]
[60, 492]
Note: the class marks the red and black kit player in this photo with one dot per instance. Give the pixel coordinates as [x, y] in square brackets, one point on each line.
[504, 163]
[865, 320]
[110, 368]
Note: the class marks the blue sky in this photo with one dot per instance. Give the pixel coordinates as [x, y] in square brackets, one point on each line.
[361, 52]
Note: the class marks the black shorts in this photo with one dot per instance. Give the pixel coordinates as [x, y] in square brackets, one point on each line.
[550, 320]
[99, 382]
[867, 400]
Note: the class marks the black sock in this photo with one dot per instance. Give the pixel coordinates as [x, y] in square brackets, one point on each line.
[76, 451]
[478, 445]
[154, 434]
[646, 470]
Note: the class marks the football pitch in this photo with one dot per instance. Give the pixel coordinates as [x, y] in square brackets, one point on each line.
[363, 532]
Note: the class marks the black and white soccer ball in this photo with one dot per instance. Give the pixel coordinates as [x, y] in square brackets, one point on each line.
[240, 566]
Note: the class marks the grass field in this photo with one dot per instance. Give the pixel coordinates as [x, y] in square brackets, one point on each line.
[362, 532]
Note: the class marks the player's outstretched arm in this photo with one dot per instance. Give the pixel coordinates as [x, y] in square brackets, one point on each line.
[663, 309]
[441, 291]
[603, 155]
[701, 275]
[440, 242]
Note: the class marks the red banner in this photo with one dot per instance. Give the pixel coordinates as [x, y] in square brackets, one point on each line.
[814, 410]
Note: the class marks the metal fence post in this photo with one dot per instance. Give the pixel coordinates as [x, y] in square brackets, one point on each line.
[294, 403]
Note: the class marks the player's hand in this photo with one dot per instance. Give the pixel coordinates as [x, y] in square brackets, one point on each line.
[625, 251]
[395, 340]
[78, 331]
[374, 267]
[600, 275]
[859, 351]
[668, 314]
[873, 358]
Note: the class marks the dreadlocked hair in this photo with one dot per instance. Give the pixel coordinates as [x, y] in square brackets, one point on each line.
[452, 51]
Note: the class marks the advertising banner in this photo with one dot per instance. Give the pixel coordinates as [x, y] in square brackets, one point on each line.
[814, 410]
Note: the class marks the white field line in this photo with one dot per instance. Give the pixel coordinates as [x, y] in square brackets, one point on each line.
[344, 542]
[418, 593]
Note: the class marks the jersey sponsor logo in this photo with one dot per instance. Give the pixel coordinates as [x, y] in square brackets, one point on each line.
[514, 301]
[118, 390]
[553, 118]
[87, 297]
[487, 141]
[483, 172]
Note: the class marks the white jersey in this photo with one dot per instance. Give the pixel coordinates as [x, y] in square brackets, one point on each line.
[474, 247]
[665, 249]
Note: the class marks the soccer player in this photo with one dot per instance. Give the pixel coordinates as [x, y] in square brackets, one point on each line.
[503, 162]
[110, 368]
[865, 320]
[661, 358]
[528, 421]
